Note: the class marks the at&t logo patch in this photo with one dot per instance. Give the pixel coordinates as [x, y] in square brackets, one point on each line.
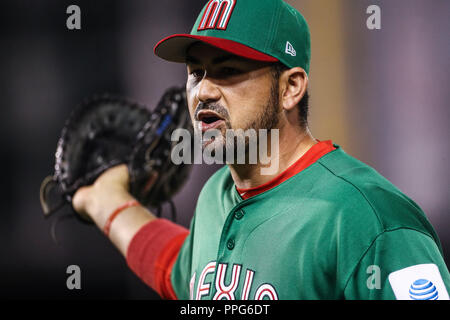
[419, 282]
[423, 289]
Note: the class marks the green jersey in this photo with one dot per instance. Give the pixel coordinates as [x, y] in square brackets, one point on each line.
[335, 230]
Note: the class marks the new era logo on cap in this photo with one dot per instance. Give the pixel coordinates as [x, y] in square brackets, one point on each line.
[419, 282]
[290, 49]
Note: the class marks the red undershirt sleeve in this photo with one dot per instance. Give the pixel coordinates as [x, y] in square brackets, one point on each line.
[152, 253]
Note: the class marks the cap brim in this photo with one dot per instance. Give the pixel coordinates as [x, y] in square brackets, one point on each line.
[174, 48]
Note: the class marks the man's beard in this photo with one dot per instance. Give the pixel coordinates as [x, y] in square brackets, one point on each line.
[267, 119]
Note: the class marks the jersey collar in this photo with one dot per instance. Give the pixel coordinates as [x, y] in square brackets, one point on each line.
[311, 156]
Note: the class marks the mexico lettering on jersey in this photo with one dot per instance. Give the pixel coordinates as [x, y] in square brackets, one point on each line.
[227, 290]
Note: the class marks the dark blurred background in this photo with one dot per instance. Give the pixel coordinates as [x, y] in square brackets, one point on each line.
[381, 94]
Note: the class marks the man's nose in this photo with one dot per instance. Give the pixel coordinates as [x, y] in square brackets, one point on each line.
[208, 90]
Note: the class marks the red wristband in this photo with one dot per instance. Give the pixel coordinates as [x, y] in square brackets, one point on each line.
[116, 212]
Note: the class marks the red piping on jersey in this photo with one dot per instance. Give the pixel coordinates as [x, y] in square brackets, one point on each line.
[312, 155]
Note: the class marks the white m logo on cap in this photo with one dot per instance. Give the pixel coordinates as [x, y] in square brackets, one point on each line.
[217, 11]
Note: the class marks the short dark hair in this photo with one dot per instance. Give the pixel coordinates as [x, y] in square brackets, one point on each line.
[303, 106]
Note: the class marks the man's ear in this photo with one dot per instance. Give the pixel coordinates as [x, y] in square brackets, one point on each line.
[294, 83]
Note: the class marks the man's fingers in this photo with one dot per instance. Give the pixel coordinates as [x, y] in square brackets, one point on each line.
[80, 198]
[116, 176]
[113, 179]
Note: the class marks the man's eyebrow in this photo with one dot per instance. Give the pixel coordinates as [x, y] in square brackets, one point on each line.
[222, 59]
[218, 60]
[191, 60]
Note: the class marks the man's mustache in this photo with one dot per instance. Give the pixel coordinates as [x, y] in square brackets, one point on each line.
[216, 107]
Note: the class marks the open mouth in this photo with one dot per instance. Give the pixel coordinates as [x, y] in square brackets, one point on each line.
[209, 120]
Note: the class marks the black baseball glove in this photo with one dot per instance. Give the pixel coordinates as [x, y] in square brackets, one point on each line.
[106, 131]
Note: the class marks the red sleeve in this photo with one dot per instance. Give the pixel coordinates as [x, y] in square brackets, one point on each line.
[152, 253]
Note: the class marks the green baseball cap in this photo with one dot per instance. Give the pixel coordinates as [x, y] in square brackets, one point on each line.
[263, 30]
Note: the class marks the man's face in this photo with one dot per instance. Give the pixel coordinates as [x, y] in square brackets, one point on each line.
[225, 91]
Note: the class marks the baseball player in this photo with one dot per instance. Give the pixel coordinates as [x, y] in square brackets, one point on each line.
[323, 226]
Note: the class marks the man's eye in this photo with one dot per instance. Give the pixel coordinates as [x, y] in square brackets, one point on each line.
[197, 73]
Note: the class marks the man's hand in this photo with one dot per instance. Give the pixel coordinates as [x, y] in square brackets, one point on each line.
[99, 201]
[109, 191]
